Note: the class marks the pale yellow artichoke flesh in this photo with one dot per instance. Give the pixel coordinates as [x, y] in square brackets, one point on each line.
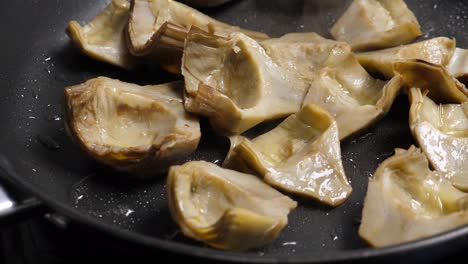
[442, 133]
[458, 65]
[374, 24]
[350, 94]
[235, 83]
[441, 86]
[137, 129]
[301, 155]
[158, 28]
[406, 201]
[302, 54]
[103, 38]
[436, 51]
[225, 209]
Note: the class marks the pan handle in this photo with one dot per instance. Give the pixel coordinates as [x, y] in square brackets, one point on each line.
[14, 208]
[12, 211]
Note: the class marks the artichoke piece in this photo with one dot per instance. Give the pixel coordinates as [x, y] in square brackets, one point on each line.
[158, 28]
[442, 87]
[437, 51]
[442, 133]
[235, 83]
[350, 94]
[103, 38]
[301, 155]
[458, 65]
[374, 24]
[302, 54]
[137, 129]
[406, 201]
[225, 209]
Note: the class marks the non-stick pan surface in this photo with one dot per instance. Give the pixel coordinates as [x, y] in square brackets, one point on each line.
[38, 61]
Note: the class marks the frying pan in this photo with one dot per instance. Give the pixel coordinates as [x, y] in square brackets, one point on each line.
[36, 156]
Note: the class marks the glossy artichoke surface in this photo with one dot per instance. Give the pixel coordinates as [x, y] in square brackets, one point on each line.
[442, 133]
[441, 86]
[354, 98]
[376, 24]
[103, 38]
[158, 28]
[235, 83]
[301, 155]
[224, 208]
[436, 51]
[406, 201]
[137, 129]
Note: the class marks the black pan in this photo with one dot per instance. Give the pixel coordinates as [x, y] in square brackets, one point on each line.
[38, 61]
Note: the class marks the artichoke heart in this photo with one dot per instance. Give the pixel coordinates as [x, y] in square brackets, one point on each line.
[235, 83]
[442, 87]
[137, 129]
[374, 24]
[442, 133]
[350, 94]
[301, 155]
[406, 201]
[436, 51]
[225, 209]
[158, 28]
[103, 38]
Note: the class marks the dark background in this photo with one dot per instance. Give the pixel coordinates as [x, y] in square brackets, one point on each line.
[37, 61]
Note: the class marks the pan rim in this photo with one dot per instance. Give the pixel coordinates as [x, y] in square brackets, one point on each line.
[219, 255]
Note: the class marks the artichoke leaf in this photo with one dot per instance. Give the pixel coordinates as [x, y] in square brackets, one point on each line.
[137, 129]
[301, 155]
[436, 51]
[406, 201]
[158, 28]
[235, 83]
[302, 54]
[458, 65]
[350, 94]
[442, 133]
[225, 209]
[442, 87]
[103, 38]
[376, 24]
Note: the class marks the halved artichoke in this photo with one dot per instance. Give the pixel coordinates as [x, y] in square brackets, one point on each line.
[374, 24]
[301, 155]
[442, 133]
[350, 94]
[436, 50]
[406, 201]
[442, 87]
[235, 83]
[225, 209]
[158, 28]
[137, 129]
[302, 54]
[103, 38]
